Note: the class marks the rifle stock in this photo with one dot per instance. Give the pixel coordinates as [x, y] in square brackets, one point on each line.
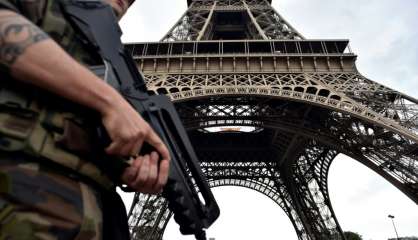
[186, 180]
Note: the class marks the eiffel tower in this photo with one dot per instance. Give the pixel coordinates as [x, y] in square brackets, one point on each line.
[269, 110]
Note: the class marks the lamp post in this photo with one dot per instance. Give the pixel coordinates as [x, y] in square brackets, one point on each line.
[393, 223]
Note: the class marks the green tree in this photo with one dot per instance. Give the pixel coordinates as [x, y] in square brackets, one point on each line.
[352, 236]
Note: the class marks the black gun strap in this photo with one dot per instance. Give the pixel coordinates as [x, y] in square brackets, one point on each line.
[98, 24]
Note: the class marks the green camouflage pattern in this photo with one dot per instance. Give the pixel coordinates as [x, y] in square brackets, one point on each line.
[41, 194]
[33, 121]
[37, 203]
[48, 16]
[42, 133]
[32, 10]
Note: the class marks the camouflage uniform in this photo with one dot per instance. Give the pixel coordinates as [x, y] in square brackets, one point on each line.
[43, 176]
[39, 203]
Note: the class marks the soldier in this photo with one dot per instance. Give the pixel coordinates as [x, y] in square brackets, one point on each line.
[51, 182]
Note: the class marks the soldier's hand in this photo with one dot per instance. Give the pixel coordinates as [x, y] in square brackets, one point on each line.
[146, 174]
[128, 131]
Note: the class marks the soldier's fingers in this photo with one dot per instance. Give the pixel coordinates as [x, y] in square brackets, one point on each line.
[120, 148]
[162, 175]
[136, 148]
[153, 173]
[129, 174]
[113, 148]
[158, 144]
[126, 149]
[137, 162]
[143, 172]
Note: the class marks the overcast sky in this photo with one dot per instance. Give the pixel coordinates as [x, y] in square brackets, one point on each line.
[384, 34]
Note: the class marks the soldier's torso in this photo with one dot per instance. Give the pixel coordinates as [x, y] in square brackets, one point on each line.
[41, 130]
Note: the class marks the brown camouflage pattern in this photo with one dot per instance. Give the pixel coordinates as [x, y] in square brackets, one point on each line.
[48, 16]
[41, 134]
[39, 202]
[36, 203]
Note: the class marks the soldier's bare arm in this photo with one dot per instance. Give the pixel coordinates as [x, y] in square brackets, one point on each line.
[31, 56]
[16, 35]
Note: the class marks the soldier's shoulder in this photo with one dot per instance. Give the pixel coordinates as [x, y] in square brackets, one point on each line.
[33, 10]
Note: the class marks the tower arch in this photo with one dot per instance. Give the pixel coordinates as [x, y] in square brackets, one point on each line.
[304, 99]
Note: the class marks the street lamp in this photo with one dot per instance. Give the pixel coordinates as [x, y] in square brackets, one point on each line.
[393, 223]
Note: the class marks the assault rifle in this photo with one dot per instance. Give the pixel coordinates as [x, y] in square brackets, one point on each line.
[99, 26]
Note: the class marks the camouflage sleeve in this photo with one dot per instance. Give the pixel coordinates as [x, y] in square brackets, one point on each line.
[32, 10]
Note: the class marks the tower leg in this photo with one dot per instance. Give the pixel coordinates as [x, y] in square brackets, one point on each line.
[148, 217]
[306, 182]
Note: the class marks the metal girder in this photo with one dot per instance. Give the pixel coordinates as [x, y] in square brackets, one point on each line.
[398, 113]
[265, 178]
[148, 217]
[359, 137]
[304, 178]
[370, 144]
[261, 21]
[272, 24]
[303, 102]
[190, 26]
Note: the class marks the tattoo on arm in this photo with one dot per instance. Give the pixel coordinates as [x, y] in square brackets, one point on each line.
[16, 35]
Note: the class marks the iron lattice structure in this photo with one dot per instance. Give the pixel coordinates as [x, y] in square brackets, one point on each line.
[239, 63]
